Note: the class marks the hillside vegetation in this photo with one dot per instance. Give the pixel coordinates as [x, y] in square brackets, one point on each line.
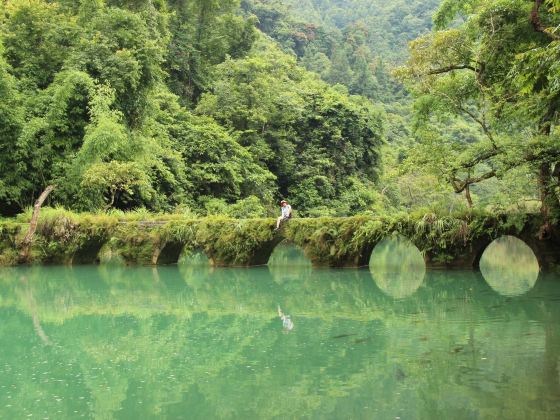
[224, 107]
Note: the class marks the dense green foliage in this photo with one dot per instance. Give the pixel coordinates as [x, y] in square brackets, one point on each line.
[355, 43]
[223, 107]
[347, 42]
[319, 142]
[496, 68]
[171, 104]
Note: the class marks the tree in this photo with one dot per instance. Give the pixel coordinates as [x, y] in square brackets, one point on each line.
[340, 71]
[120, 49]
[116, 180]
[93, 97]
[38, 38]
[204, 33]
[218, 165]
[480, 70]
[51, 134]
[11, 121]
[309, 135]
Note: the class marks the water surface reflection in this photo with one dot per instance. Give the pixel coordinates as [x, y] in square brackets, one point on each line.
[178, 342]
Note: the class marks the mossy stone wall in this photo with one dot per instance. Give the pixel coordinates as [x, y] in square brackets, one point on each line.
[450, 241]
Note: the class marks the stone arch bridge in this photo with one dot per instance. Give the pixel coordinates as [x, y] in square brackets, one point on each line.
[453, 242]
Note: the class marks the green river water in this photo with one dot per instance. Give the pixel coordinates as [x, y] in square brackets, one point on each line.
[192, 342]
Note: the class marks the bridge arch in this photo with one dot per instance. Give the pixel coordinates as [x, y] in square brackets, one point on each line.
[536, 246]
[167, 253]
[194, 257]
[288, 254]
[261, 252]
[397, 266]
[88, 252]
[195, 267]
[288, 262]
[509, 266]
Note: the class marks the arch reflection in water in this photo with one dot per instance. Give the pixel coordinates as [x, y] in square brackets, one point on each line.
[194, 266]
[509, 266]
[107, 256]
[288, 261]
[397, 267]
[194, 257]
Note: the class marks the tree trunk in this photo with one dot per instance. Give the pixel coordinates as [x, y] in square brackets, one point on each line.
[25, 245]
[113, 195]
[468, 196]
[537, 24]
[35, 313]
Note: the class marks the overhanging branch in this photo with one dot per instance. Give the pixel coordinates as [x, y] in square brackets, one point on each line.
[460, 185]
[451, 68]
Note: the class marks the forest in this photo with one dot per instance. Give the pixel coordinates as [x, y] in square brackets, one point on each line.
[341, 107]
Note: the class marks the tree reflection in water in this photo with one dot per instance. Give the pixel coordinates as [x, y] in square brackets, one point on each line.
[126, 343]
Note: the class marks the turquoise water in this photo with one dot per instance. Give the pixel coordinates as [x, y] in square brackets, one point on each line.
[192, 342]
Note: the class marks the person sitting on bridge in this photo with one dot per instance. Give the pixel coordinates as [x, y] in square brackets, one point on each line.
[286, 213]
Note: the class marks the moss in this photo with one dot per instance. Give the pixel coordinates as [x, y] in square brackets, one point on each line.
[65, 237]
[183, 231]
[236, 242]
[330, 241]
[134, 243]
[9, 231]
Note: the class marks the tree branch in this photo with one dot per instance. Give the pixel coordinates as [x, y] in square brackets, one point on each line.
[477, 159]
[460, 185]
[454, 67]
[482, 124]
[537, 24]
